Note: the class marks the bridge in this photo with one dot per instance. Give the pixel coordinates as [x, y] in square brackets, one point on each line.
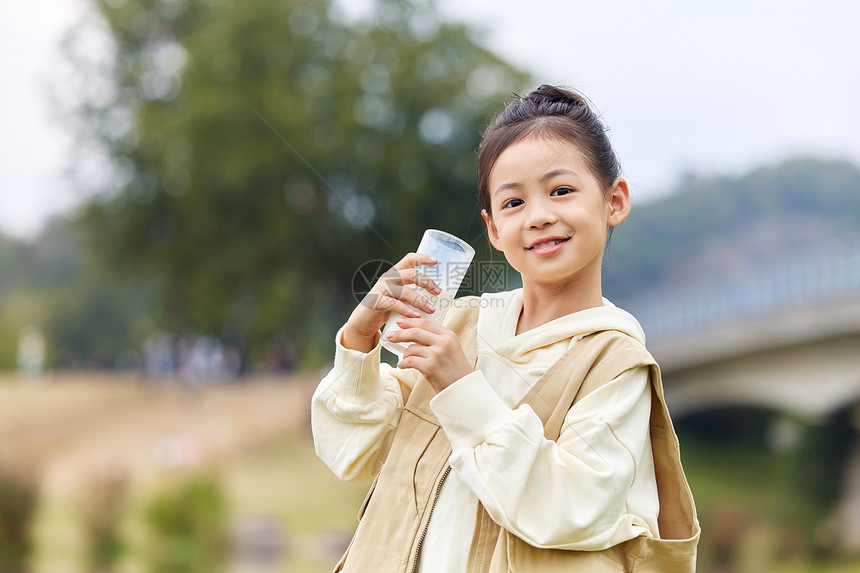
[784, 337]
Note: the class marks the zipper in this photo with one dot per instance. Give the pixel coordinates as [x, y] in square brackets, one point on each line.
[432, 507]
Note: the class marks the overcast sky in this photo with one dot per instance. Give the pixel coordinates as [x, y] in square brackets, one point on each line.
[717, 87]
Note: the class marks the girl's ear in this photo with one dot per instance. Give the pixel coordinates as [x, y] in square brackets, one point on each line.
[492, 232]
[619, 202]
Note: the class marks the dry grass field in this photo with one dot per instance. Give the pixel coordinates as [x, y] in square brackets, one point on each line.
[254, 434]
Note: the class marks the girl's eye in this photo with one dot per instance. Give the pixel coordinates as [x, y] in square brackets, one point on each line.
[512, 203]
[561, 191]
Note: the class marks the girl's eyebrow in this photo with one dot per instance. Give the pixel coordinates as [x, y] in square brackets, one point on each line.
[544, 177]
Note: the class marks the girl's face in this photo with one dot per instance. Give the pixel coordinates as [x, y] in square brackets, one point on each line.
[550, 215]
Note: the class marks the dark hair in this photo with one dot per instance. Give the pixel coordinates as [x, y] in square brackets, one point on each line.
[548, 111]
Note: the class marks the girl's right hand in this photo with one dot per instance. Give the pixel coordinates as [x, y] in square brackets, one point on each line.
[390, 294]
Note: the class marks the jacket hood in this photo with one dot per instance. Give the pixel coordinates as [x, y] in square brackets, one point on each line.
[500, 312]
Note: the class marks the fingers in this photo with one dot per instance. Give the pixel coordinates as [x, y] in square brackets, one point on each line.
[420, 279]
[386, 303]
[413, 325]
[415, 355]
[415, 260]
[405, 301]
[405, 272]
[415, 330]
[403, 289]
[435, 351]
[390, 290]
[412, 360]
[411, 296]
[421, 334]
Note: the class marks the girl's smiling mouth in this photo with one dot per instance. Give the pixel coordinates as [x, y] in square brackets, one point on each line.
[547, 245]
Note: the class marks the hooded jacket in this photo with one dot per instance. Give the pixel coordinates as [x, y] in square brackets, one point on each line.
[515, 473]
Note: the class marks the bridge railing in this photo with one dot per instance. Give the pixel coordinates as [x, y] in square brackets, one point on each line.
[819, 273]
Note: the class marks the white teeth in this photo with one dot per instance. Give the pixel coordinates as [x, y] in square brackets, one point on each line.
[549, 243]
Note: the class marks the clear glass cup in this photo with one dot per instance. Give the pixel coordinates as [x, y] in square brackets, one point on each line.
[454, 257]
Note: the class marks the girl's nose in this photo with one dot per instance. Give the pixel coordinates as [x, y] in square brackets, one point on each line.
[540, 214]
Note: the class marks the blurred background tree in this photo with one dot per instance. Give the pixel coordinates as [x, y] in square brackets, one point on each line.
[251, 156]
[53, 283]
[260, 152]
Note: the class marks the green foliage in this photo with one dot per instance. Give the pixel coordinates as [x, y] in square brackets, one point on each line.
[11, 323]
[812, 473]
[17, 307]
[264, 150]
[19, 501]
[188, 523]
[102, 506]
[89, 318]
[766, 484]
[9, 257]
[93, 318]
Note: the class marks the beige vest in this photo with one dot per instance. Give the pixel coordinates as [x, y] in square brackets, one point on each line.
[397, 509]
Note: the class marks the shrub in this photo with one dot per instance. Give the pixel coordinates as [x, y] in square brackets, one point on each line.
[188, 523]
[19, 500]
[102, 505]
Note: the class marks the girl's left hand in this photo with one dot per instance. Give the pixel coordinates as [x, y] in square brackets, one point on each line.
[435, 352]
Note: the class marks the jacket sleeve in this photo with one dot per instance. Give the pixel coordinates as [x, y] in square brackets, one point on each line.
[570, 494]
[355, 410]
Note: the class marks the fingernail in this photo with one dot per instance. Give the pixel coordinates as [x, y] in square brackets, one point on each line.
[399, 322]
[434, 260]
[429, 308]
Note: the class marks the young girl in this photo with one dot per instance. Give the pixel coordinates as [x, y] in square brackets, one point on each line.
[528, 431]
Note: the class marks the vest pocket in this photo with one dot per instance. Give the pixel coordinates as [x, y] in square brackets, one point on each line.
[340, 564]
[665, 555]
[525, 558]
[366, 501]
[426, 455]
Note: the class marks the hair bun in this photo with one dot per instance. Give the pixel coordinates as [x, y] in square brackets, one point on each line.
[556, 95]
